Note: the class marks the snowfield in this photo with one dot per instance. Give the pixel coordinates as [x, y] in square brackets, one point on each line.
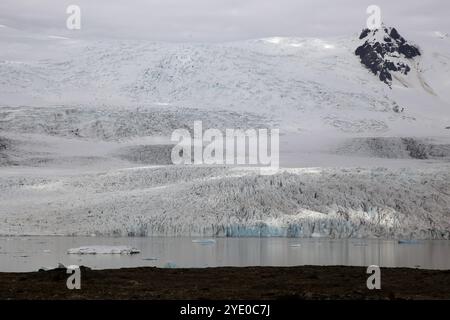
[85, 139]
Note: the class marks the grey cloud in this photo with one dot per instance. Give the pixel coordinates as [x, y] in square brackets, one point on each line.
[220, 20]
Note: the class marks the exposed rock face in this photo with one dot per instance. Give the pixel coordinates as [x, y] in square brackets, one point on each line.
[385, 51]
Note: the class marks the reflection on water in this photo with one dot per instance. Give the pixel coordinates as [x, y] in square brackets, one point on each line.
[31, 253]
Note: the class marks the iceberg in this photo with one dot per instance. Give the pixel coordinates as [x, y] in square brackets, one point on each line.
[408, 241]
[204, 241]
[103, 250]
[170, 265]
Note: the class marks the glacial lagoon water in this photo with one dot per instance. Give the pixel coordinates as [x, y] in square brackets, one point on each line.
[22, 254]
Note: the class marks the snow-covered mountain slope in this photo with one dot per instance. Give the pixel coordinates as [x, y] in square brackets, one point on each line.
[79, 119]
[303, 84]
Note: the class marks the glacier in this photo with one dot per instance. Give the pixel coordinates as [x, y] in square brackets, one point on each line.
[154, 201]
[85, 127]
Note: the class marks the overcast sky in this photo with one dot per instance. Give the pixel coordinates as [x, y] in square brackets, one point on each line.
[220, 20]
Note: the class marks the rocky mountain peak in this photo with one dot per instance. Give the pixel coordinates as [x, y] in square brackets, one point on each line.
[384, 51]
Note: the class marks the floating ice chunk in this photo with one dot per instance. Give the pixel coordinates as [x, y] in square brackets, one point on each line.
[170, 265]
[204, 241]
[295, 245]
[103, 250]
[150, 259]
[408, 241]
[57, 37]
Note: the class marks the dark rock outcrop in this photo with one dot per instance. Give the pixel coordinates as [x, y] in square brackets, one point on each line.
[385, 51]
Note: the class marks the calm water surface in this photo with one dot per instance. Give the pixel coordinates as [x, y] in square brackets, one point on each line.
[22, 254]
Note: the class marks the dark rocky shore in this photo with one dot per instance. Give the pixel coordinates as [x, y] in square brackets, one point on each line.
[306, 282]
